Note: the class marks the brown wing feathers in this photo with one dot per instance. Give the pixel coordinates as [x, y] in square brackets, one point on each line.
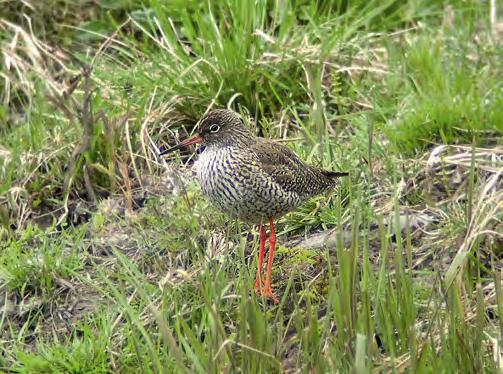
[290, 171]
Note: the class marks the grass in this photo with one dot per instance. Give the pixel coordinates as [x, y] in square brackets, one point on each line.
[111, 260]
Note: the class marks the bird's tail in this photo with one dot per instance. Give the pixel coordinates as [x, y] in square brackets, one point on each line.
[335, 174]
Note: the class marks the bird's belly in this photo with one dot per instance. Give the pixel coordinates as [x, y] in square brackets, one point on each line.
[241, 191]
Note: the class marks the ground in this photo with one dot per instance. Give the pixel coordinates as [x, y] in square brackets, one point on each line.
[111, 260]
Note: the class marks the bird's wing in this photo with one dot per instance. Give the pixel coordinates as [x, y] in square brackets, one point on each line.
[288, 170]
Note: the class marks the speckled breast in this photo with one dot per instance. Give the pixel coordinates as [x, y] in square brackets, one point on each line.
[233, 180]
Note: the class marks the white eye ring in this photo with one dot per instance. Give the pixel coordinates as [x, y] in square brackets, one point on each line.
[214, 128]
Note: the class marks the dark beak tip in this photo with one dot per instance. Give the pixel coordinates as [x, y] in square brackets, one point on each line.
[169, 150]
[163, 152]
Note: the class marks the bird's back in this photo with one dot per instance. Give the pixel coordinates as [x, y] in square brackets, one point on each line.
[289, 171]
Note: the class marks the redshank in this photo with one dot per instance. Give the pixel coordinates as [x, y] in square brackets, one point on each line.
[253, 179]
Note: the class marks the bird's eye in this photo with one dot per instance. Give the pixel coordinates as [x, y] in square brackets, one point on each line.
[214, 128]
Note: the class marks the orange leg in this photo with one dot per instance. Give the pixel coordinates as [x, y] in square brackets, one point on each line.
[261, 255]
[267, 290]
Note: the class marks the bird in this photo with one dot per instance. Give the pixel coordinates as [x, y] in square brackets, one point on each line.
[254, 179]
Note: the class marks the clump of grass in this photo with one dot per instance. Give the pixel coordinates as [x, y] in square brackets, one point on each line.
[26, 271]
[453, 93]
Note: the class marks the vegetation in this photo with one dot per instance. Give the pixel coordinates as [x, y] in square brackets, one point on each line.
[112, 261]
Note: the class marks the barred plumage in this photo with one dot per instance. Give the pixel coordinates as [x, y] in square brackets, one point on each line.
[237, 185]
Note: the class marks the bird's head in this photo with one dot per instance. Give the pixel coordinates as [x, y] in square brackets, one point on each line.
[218, 128]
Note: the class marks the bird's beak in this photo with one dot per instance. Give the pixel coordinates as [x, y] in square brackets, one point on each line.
[194, 139]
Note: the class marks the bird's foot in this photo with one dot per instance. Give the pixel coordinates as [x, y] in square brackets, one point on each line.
[268, 293]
